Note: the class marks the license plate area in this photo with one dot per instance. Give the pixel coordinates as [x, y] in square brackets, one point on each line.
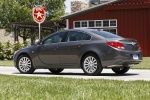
[135, 57]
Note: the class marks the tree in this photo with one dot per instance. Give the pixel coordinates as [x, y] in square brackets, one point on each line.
[21, 11]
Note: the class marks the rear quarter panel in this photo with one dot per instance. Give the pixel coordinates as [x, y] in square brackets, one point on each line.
[98, 47]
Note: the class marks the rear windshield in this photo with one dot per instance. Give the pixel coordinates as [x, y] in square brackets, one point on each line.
[106, 34]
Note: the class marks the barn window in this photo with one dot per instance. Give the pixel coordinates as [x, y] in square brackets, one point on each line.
[114, 31]
[91, 24]
[109, 25]
[84, 24]
[77, 24]
[113, 23]
[106, 23]
[98, 23]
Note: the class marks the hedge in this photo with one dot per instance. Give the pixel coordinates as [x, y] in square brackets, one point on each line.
[7, 50]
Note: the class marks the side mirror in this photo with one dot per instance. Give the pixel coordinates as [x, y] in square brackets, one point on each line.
[40, 42]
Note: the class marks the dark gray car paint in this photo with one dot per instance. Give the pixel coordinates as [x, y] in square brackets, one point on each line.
[69, 54]
[49, 54]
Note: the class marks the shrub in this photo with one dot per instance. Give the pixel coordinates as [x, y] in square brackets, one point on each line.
[1, 51]
[25, 44]
[8, 51]
[17, 46]
[2, 56]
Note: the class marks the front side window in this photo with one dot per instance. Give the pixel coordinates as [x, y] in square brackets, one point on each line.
[58, 37]
[78, 36]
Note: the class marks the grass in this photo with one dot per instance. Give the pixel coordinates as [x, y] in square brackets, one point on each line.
[37, 88]
[6, 63]
[144, 65]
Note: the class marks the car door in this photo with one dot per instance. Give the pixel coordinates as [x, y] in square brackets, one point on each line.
[48, 52]
[70, 51]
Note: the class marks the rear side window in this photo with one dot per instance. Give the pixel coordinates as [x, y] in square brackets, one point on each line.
[106, 34]
[78, 36]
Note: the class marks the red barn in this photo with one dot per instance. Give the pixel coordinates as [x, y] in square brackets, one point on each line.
[127, 18]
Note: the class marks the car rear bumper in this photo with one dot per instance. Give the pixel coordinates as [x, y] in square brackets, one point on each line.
[119, 58]
[126, 63]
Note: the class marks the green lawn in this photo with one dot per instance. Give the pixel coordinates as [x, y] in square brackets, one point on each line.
[144, 65]
[38, 88]
[6, 63]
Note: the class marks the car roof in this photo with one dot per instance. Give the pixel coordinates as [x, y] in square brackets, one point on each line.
[81, 29]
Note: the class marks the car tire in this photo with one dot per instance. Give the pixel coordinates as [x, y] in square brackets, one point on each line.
[25, 65]
[56, 70]
[91, 65]
[121, 70]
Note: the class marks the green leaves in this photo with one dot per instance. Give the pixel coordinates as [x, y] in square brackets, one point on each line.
[21, 11]
[1, 51]
[7, 50]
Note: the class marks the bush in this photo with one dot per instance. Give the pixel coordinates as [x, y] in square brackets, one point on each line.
[17, 46]
[2, 56]
[1, 51]
[8, 51]
[25, 44]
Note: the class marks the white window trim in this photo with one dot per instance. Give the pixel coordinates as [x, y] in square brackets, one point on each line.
[95, 23]
[67, 23]
[112, 20]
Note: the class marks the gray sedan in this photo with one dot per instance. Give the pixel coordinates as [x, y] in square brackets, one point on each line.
[90, 50]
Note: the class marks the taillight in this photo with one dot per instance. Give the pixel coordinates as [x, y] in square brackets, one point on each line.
[139, 47]
[117, 45]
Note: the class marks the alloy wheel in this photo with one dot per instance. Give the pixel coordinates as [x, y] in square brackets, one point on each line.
[90, 64]
[24, 65]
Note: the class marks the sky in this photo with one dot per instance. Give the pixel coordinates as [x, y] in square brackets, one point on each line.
[68, 5]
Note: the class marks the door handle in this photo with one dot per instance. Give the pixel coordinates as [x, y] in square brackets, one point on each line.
[56, 48]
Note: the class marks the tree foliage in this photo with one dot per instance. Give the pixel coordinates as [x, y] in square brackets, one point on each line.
[21, 11]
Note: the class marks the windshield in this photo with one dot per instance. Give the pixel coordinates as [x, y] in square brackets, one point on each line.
[106, 34]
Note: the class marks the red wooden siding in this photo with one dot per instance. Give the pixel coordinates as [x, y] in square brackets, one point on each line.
[131, 23]
[134, 1]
